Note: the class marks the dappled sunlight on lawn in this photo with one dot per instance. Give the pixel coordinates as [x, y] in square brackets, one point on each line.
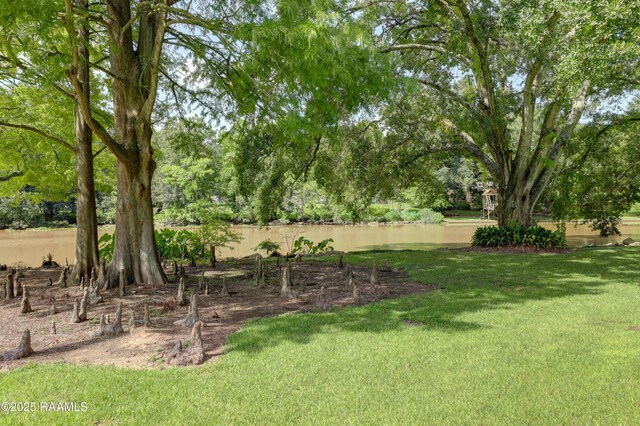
[465, 282]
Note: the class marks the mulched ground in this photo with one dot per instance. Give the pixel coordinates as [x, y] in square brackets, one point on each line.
[222, 315]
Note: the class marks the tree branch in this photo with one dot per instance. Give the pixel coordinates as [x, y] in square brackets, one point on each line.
[577, 109]
[97, 128]
[529, 97]
[451, 94]
[469, 144]
[414, 46]
[154, 66]
[11, 175]
[37, 131]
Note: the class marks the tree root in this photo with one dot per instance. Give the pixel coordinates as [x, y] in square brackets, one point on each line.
[8, 285]
[132, 321]
[114, 328]
[348, 275]
[25, 306]
[121, 283]
[101, 281]
[75, 318]
[79, 313]
[374, 276]
[259, 270]
[17, 287]
[322, 302]
[286, 282]
[192, 316]
[385, 266]
[23, 351]
[146, 321]
[181, 299]
[62, 282]
[193, 354]
[201, 282]
[225, 290]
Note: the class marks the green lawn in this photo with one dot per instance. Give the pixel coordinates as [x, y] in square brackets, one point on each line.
[633, 214]
[512, 339]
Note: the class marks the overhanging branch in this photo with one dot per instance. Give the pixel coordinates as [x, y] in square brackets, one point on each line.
[58, 140]
[4, 178]
[468, 144]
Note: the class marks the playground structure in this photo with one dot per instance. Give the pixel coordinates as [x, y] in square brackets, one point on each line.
[489, 203]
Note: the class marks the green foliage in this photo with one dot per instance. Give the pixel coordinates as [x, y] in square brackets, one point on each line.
[106, 245]
[389, 213]
[268, 245]
[600, 177]
[171, 243]
[28, 210]
[304, 246]
[501, 82]
[216, 234]
[534, 236]
[187, 180]
[178, 244]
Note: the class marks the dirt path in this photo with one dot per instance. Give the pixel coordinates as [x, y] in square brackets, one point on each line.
[222, 315]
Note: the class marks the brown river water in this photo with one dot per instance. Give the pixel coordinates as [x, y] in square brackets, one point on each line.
[32, 246]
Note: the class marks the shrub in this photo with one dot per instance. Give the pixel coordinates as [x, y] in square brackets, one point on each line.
[172, 244]
[431, 217]
[268, 245]
[534, 236]
[215, 234]
[304, 246]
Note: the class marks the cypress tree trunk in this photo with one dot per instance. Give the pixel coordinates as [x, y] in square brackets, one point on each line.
[134, 68]
[135, 248]
[86, 219]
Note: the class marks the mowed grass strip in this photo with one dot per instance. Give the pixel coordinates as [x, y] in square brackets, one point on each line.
[503, 339]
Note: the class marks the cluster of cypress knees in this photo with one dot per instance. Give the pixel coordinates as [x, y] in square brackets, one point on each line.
[179, 355]
[193, 354]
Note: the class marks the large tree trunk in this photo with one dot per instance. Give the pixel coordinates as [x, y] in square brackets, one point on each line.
[134, 67]
[135, 246]
[514, 208]
[86, 220]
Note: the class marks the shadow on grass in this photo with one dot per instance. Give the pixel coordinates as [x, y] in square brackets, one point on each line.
[465, 282]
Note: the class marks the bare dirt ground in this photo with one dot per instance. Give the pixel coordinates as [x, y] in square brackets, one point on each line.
[144, 347]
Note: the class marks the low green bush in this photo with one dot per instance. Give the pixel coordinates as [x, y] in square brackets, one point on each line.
[172, 244]
[385, 213]
[431, 217]
[534, 236]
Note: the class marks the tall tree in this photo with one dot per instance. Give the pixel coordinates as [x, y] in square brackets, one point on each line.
[87, 250]
[318, 75]
[203, 51]
[189, 164]
[134, 68]
[31, 57]
[599, 177]
[509, 81]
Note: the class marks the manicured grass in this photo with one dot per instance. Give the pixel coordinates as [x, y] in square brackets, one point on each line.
[509, 339]
[633, 214]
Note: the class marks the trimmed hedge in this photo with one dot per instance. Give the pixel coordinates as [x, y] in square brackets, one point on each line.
[534, 236]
